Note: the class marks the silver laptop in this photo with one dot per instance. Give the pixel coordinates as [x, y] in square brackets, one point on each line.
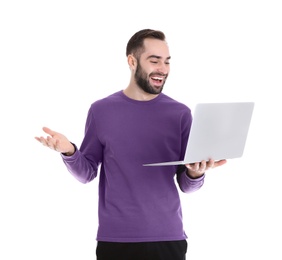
[218, 131]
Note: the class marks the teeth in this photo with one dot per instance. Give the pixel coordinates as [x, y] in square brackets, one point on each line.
[157, 78]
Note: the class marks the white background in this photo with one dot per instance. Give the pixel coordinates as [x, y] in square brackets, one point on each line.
[57, 57]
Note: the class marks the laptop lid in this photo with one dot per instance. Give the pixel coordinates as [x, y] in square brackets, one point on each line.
[218, 131]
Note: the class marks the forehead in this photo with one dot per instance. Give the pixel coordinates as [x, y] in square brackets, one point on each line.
[156, 47]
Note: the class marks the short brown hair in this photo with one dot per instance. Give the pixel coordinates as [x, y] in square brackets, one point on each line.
[135, 44]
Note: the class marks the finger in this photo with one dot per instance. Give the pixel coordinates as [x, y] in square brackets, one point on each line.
[190, 166]
[51, 142]
[48, 131]
[219, 163]
[195, 167]
[37, 138]
[43, 141]
[202, 166]
[210, 164]
[56, 146]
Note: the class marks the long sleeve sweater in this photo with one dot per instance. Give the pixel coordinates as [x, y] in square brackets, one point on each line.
[136, 203]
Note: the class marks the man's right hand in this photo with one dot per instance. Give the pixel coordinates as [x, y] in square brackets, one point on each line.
[57, 142]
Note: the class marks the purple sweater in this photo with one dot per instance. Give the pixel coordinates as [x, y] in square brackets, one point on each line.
[136, 203]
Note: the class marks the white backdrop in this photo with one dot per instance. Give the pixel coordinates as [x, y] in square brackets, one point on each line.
[57, 57]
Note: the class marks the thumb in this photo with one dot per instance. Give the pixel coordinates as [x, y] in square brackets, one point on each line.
[48, 131]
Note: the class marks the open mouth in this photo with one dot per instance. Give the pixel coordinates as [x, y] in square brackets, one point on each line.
[158, 79]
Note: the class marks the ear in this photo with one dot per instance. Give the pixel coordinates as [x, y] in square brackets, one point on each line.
[131, 61]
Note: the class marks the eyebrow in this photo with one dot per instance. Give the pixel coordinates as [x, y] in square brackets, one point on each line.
[157, 57]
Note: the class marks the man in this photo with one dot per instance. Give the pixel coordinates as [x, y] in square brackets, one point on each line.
[140, 213]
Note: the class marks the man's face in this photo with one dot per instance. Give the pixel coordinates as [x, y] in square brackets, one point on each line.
[153, 66]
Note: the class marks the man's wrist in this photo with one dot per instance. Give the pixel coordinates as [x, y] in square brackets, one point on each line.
[70, 153]
[193, 176]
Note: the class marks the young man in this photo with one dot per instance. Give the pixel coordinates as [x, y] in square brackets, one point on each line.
[140, 213]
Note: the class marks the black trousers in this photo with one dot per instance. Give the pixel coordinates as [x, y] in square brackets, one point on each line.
[164, 250]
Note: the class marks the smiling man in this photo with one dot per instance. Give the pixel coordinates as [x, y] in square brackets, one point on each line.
[150, 82]
[140, 214]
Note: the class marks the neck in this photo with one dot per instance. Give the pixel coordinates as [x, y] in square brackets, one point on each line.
[136, 93]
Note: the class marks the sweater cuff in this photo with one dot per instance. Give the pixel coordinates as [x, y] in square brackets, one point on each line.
[75, 149]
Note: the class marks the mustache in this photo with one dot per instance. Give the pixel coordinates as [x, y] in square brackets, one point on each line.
[158, 74]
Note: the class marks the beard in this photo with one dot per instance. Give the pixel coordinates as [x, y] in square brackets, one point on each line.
[142, 80]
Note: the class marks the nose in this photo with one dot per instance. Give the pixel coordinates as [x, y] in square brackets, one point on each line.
[163, 68]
